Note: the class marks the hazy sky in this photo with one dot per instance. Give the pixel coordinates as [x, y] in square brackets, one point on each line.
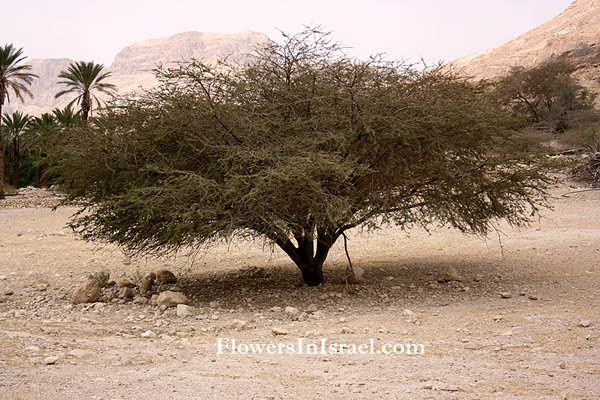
[433, 29]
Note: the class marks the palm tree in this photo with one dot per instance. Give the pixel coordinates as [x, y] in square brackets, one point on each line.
[83, 79]
[66, 117]
[15, 127]
[17, 78]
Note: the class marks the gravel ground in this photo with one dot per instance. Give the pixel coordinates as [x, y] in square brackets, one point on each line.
[521, 324]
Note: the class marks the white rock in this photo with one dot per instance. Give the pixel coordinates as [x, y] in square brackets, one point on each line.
[32, 349]
[291, 310]
[50, 360]
[276, 309]
[408, 313]
[238, 324]
[184, 310]
[585, 323]
[505, 295]
[171, 299]
[279, 331]
[149, 334]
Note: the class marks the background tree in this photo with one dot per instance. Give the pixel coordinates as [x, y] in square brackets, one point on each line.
[297, 147]
[14, 77]
[547, 93]
[15, 127]
[85, 79]
[38, 131]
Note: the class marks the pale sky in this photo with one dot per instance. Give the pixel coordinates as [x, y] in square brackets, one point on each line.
[437, 30]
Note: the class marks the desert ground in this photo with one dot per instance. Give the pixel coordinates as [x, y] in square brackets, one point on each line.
[522, 323]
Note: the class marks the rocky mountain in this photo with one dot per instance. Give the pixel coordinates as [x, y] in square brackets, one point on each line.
[132, 67]
[574, 33]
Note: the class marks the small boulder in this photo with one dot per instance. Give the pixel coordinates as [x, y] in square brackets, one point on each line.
[126, 293]
[279, 331]
[505, 295]
[87, 292]
[238, 324]
[146, 285]
[585, 323]
[311, 309]
[449, 274]
[125, 283]
[50, 360]
[184, 310]
[291, 311]
[276, 309]
[356, 276]
[165, 276]
[8, 292]
[171, 299]
[149, 335]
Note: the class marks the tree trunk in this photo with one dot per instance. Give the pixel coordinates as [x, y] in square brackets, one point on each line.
[304, 256]
[1, 151]
[16, 164]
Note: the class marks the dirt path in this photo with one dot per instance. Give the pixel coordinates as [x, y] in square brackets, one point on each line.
[477, 344]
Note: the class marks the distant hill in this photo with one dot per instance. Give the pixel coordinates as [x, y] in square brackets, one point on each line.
[132, 67]
[574, 33]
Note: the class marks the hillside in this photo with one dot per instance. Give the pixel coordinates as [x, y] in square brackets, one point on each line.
[574, 33]
[132, 66]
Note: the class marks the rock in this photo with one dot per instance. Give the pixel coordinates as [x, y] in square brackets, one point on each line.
[125, 283]
[311, 309]
[291, 311]
[408, 313]
[238, 324]
[165, 276]
[279, 331]
[78, 353]
[345, 330]
[213, 304]
[505, 295]
[585, 323]
[184, 310]
[50, 360]
[478, 278]
[88, 292]
[532, 297]
[126, 293]
[449, 274]
[8, 292]
[146, 285]
[276, 309]
[42, 287]
[3, 277]
[563, 365]
[171, 299]
[154, 300]
[32, 349]
[149, 335]
[140, 300]
[357, 276]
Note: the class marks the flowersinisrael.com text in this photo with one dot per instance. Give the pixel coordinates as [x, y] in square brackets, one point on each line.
[320, 347]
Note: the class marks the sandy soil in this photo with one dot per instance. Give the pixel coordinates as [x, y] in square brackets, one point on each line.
[477, 344]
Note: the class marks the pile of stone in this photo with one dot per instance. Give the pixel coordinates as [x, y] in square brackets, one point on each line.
[32, 197]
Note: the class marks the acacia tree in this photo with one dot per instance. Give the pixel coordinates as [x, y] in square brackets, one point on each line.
[297, 146]
[547, 93]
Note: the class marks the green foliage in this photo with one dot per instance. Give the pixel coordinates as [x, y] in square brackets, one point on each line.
[15, 127]
[546, 93]
[297, 146]
[101, 278]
